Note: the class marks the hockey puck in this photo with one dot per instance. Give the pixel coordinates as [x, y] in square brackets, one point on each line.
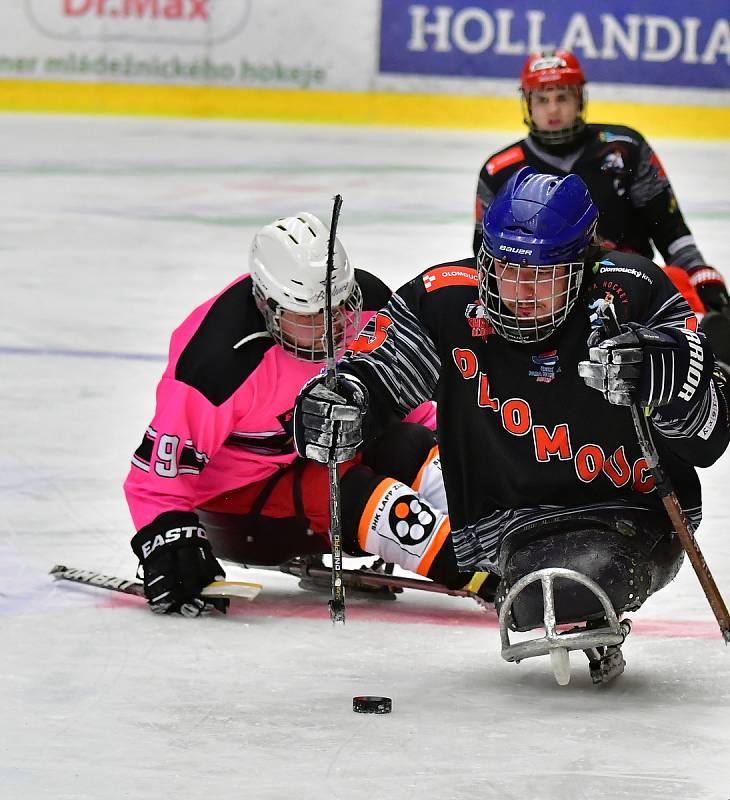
[369, 704]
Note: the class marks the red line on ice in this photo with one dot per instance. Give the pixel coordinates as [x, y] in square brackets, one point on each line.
[403, 614]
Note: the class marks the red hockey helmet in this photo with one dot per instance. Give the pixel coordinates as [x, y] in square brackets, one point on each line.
[551, 68]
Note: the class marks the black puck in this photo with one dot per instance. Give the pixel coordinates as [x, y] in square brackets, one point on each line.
[370, 704]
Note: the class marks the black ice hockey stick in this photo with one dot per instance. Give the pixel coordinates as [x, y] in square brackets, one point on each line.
[337, 602]
[665, 490]
[299, 568]
[217, 589]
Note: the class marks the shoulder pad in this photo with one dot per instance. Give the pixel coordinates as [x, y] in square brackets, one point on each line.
[209, 362]
[375, 293]
[453, 275]
[513, 155]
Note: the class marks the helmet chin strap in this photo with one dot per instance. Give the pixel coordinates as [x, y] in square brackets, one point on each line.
[564, 136]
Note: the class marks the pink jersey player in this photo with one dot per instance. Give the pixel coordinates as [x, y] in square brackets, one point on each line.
[217, 473]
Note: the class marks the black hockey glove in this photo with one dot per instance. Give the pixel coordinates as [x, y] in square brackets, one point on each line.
[715, 324]
[657, 369]
[178, 563]
[716, 327]
[328, 425]
[710, 287]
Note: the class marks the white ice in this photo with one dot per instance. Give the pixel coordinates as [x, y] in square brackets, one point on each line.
[112, 230]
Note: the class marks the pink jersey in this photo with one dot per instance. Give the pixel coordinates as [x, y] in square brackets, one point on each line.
[223, 414]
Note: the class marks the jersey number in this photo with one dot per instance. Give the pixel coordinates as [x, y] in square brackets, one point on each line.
[166, 464]
[366, 343]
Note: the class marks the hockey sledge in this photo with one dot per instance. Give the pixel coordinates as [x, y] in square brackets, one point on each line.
[601, 642]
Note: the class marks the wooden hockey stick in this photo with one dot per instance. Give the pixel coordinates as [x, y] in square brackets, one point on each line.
[665, 490]
[337, 602]
[217, 590]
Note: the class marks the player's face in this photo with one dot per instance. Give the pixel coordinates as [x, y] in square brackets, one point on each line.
[532, 292]
[303, 330]
[554, 109]
[306, 331]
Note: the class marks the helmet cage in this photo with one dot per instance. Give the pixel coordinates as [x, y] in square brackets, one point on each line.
[303, 335]
[289, 261]
[528, 283]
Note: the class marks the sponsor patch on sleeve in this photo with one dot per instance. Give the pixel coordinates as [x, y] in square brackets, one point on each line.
[449, 276]
[712, 416]
[502, 160]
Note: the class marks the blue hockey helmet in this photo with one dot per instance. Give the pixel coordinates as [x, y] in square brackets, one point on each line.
[535, 235]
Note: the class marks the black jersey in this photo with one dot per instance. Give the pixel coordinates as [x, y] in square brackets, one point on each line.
[626, 180]
[521, 435]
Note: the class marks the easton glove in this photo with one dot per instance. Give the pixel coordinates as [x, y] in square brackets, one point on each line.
[654, 368]
[178, 562]
[328, 424]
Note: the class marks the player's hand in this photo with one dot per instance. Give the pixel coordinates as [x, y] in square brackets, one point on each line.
[656, 369]
[328, 424]
[716, 327]
[178, 562]
[710, 286]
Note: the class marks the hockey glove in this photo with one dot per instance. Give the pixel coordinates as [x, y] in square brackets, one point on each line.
[710, 286]
[716, 327]
[657, 369]
[328, 425]
[178, 563]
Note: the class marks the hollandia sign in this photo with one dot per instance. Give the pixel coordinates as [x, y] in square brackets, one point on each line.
[663, 42]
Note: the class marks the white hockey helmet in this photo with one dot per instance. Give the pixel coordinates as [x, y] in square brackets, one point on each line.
[288, 265]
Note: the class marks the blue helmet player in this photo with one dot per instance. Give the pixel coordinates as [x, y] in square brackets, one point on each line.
[539, 454]
[639, 211]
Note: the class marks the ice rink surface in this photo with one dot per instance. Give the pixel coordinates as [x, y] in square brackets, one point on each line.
[112, 230]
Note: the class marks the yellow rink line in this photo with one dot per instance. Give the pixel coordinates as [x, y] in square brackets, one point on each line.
[349, 108]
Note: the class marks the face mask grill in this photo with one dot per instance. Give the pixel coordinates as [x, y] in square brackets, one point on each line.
[303, 335]
[526, 303]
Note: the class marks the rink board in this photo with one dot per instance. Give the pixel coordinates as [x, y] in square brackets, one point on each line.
[351, 108]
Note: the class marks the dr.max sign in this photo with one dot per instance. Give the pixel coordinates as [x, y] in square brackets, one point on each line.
[666, 42]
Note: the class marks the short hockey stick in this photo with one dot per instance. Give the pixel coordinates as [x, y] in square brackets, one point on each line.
[216, 590]
[663, 485]
[337, 602]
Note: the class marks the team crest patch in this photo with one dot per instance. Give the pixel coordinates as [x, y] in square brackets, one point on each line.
[449, 276]
[547, 367]
[476, 316]
[613, 161]
[410, 520]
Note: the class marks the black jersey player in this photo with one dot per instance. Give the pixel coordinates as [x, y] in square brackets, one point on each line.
[540, 468]
[625, 177]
